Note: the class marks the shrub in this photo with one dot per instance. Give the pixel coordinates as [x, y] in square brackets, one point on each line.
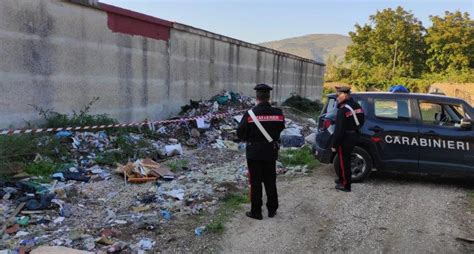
[82, 118]
[303, 104]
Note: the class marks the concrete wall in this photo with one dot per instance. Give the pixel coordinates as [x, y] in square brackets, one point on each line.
[60, 55]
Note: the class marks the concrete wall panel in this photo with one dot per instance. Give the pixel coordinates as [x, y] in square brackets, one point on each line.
[60, 55]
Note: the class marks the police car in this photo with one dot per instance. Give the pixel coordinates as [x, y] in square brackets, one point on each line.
[405, 132]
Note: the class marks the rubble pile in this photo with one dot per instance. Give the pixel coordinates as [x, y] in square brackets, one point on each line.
[206, 131]
[118, 191]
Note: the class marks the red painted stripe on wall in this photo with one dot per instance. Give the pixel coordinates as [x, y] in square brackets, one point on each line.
[133, 23]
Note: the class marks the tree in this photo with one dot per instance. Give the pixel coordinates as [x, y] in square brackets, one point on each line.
[391, 45]
[336, 69]
[450, 42]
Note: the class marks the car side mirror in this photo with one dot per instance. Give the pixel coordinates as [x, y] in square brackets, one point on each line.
[466, 124]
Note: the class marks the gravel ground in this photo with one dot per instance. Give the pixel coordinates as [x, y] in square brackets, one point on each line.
[386, 214]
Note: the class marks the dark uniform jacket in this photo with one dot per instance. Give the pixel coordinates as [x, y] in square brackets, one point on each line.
[345, 123]
[258, 148]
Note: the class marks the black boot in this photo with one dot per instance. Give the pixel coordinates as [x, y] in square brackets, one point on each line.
[342, 188]
[337, 181]
[272, 214]
[253, 216]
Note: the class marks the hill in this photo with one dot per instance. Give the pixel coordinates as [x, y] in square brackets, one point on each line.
[313, 46]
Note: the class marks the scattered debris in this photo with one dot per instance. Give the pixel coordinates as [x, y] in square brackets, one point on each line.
[311, 138]
[146, 244]
[292, 141]
[139, 209]
[464, 239]
[23, 220]
[165, 214]
[117, 247]
[13, 229]
[177, 193]
[104, 241]
[172, 150]
[86, 202]
[199, 231]
[57, 250]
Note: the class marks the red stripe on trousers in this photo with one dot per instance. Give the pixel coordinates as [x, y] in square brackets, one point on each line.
[341, 162]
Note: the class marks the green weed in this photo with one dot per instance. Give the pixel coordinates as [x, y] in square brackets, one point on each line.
[215, 227]
[24, 148]
[18, 148]
[110, 158]
[234, 200]
[42, 168]
[298, 157]
[177, 164]
[230, 203]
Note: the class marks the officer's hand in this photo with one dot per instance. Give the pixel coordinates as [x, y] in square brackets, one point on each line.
[333, 149]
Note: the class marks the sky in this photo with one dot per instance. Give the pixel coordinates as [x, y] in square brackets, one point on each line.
[259, 21]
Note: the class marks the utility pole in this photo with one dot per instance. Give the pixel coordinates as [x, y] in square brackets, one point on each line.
[394, 59]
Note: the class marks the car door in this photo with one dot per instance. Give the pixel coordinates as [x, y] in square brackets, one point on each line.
[445, 147]
[392, 128]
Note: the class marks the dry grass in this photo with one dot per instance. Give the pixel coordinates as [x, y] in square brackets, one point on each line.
[470, 196]
[464, 91]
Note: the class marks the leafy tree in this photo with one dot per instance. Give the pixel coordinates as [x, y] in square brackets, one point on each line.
[450, 42]
[391, 45]
[336, 69]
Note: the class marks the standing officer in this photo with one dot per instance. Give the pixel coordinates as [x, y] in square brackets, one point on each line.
[349, 120]
[260, 127]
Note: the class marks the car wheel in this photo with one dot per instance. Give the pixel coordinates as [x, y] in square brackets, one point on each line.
[361, 164]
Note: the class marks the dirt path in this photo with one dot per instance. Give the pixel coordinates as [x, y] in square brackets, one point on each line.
[385, 215]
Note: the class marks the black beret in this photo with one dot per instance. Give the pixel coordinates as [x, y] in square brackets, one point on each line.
[343, 89]
[263, 87]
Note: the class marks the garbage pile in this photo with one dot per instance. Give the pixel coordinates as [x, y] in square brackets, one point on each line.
[293, 135]
[114, 190]
[92, 215]
[205, 131]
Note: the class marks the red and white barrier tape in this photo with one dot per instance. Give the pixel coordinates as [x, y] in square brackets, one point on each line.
[135, 124]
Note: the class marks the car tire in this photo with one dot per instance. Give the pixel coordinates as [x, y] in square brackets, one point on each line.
[360, 161]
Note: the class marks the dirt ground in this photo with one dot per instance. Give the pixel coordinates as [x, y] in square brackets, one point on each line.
[386, 214]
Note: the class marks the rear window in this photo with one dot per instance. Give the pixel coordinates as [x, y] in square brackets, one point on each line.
[392, 109]
[331, 105]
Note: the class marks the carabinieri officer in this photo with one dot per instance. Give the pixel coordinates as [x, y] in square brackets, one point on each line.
[350, 118]
[260, 127]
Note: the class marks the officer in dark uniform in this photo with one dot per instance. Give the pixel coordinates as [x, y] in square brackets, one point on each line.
[349, 120]
[262, 151]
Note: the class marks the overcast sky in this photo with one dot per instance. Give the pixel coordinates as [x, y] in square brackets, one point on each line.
[266, 20]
